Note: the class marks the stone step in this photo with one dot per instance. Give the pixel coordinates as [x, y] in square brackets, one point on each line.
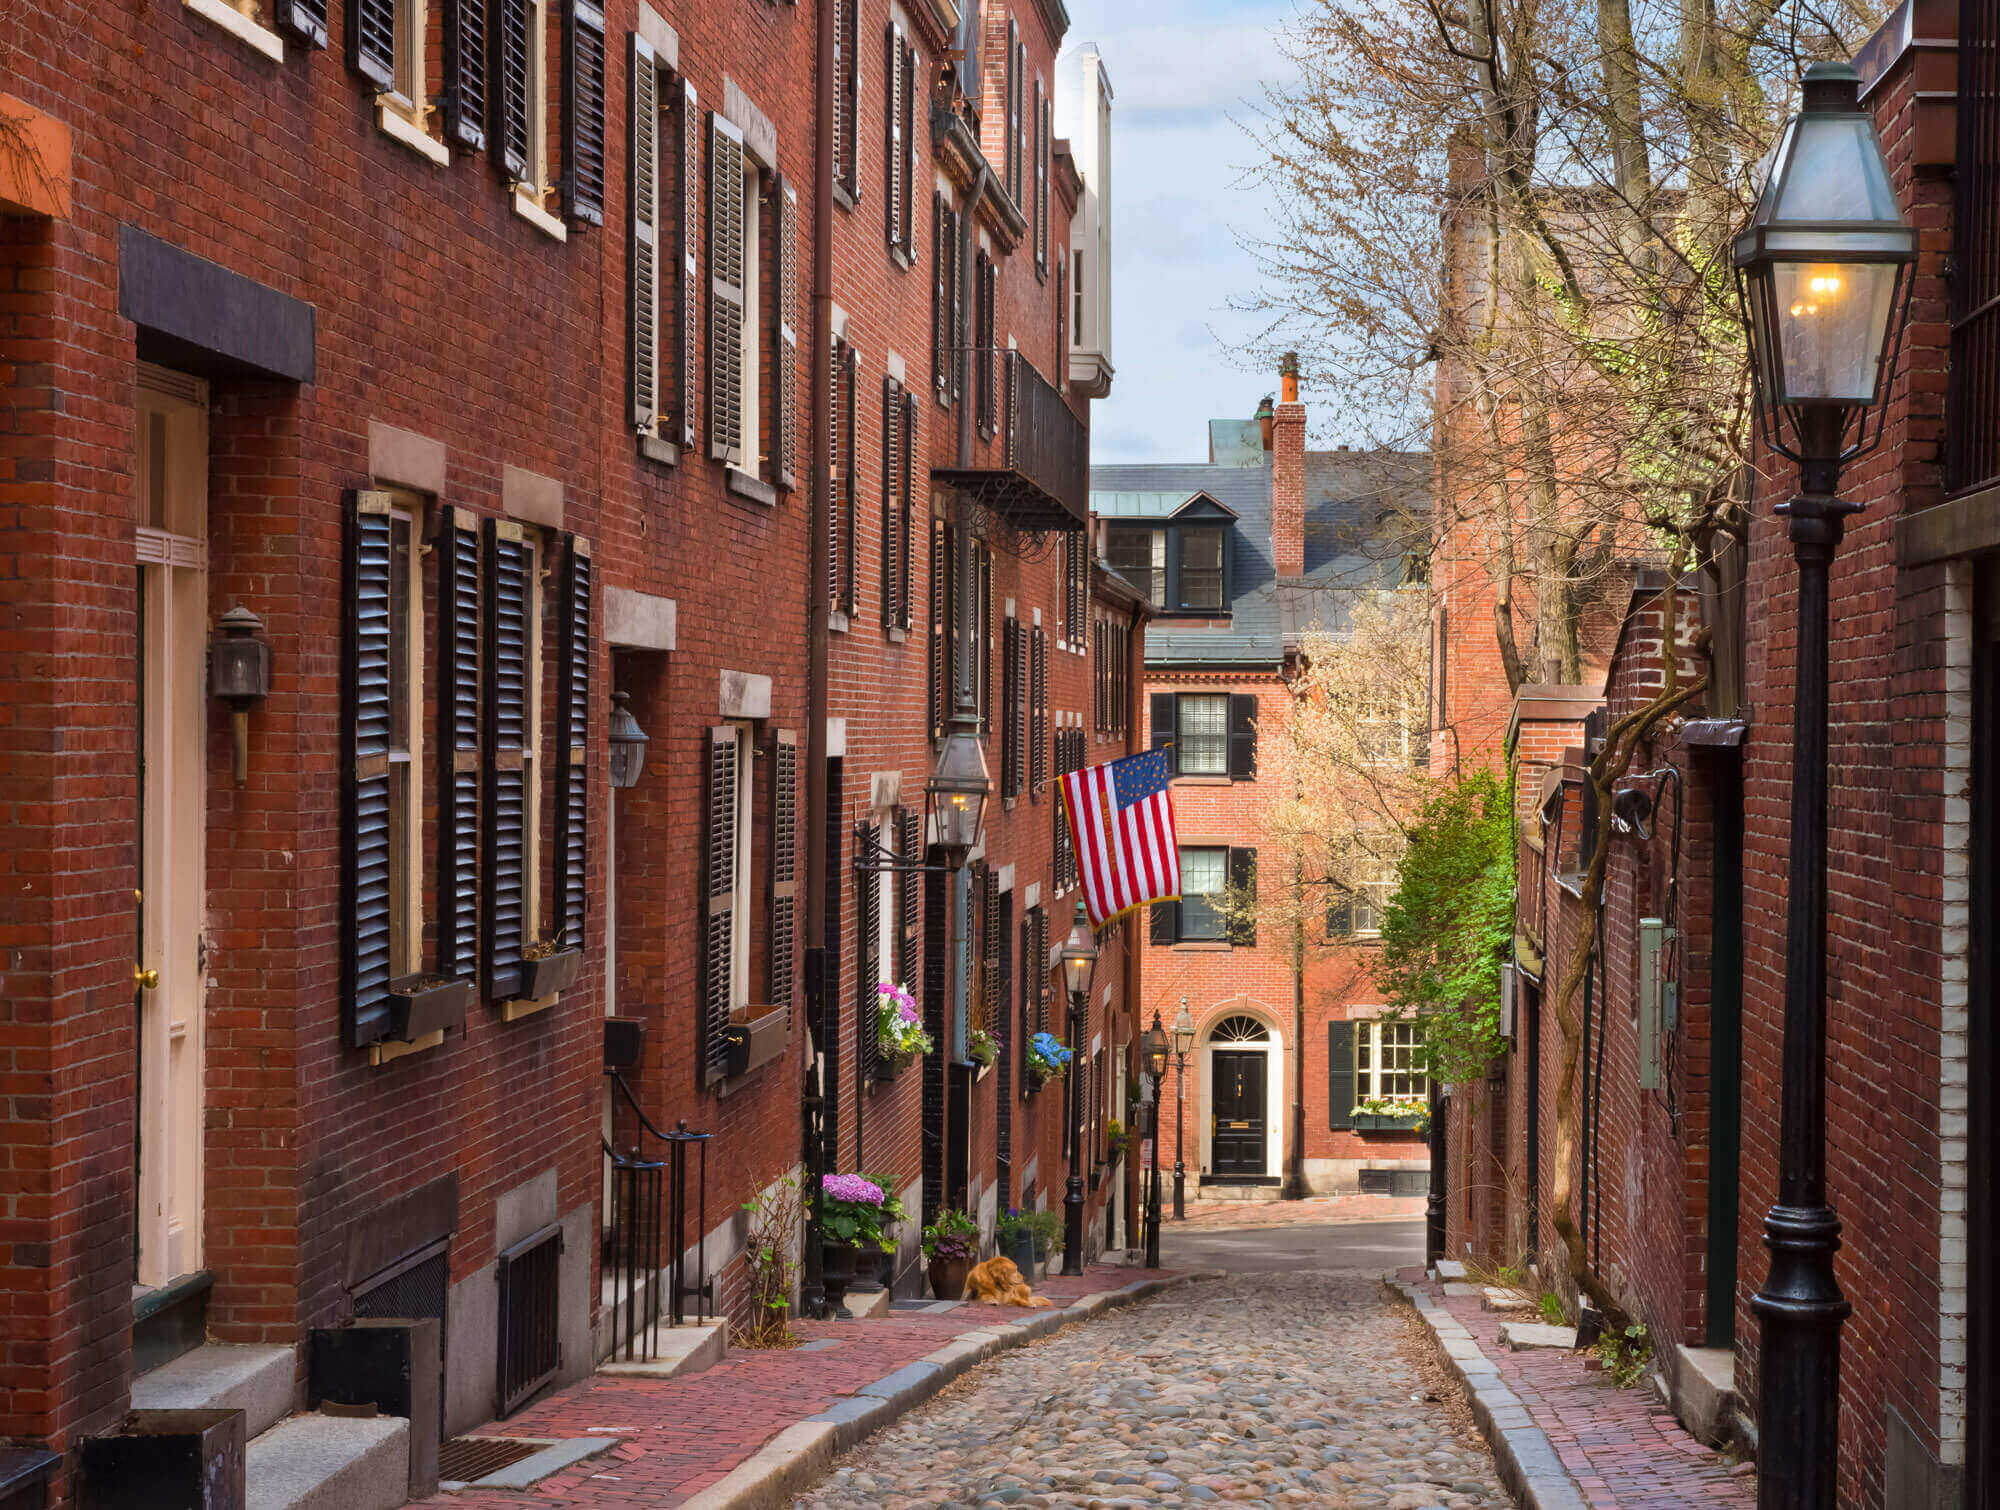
[316, 1462]
[1523, 1335]
[686, 1349]
[255, 1380]
[1497, 1299]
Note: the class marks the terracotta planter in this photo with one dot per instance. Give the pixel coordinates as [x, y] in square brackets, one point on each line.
[948, 1277]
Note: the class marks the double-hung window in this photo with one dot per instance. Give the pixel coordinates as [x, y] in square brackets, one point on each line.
[1204, 734]
[405, 744]
[752, 248]
[1204, 894]
[900, 157]
[1388, 1062]
[1140, 557]
[1200, 569]
[1372, 890]
[662, 284]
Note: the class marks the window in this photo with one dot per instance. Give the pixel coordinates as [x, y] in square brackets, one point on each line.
[847, 100]
[1075, 586]
[842, 535]
[1076, 303]
[985, 351]
[1204, 734]
[899, 445]
[1204, 894]
[1140, 557]
[1388, 1062]
[1201, 569]
[900, 159]
[947, 301]
[1373, 887]
[665, 162]
[752, 246]
[405, 753]
[1014, 707]
[1108, 653]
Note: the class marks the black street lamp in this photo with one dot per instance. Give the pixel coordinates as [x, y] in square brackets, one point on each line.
[1183, 1041]
[1077, 959]
[1156, 1071]
[1824, 273]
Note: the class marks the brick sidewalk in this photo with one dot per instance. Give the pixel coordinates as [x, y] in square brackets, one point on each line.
[678, 1436]
[1623, 1449]
[1309, 1212]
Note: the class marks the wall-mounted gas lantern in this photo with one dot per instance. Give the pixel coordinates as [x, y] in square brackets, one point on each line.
[628, 743]
[239, 674]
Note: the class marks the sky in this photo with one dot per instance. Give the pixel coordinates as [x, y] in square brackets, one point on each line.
[1183, 72]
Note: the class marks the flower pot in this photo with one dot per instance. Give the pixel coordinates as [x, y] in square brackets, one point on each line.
[549, 974]
[871, 1268]
[888, 1065]
[948, 1277]
[836, 1271]
[1024, 1255]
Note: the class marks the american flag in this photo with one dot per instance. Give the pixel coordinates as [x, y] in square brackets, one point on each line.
[1121, 818]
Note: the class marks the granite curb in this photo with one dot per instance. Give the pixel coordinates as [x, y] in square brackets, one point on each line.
[801, 1452]
[1528, 1463]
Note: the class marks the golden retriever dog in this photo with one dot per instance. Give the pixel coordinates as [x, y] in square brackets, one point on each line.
[997, 1282]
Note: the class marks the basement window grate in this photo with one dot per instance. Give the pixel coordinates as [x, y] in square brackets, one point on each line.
[414, 1286]
[1405, 1182]
[530, 1347]
[462, 1460]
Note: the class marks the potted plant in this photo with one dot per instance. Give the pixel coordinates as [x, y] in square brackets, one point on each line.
[1380, 1114]
[1045, 1227]
[546, 969]
[1047, 1059]
[856, 1218]
[1016, 1236]
[1114, 1139]
[982, 1050]
[951, 1247]
[899, 1031]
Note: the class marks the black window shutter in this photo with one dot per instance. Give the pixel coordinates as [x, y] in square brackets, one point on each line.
[781, 948]
[507, 89]
[1010, 707]
[1242, 736]
[303, 21]
[1340, 1074]
[1166, 729]
[365, 861]
[1339, 918]
[954, 234]
[1039, 966]
[1242, 896]
[458, 746]
[909, 893]
[837, 465]
[940, 294]
[850, 494]
[643, 281]
[464, 73]
[718, 870]
[503, 801]
[940, 662]
[895, 161]
[990, 976]
[892, 481]
[785, 325]
[984, 585]
[1166, 922]
[571, 767]
[1038, 710]
[867, 960]
[1005, 1036]
[585, 70]
[688, 305]
[371, 41]
[908, 453]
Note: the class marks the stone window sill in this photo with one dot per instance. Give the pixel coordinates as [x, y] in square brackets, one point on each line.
[383, 1053]
[528, 206]
[394, 120]
[514, 1011]
[259, 37]
[653, 448]
[746, 485]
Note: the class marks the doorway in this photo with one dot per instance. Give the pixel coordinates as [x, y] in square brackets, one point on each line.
[1239, 1121]
[171, 476]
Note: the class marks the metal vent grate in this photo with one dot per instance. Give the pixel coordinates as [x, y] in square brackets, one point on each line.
[412, 1287]
[1403, 1182]
[461, 1460]
[530, 1352]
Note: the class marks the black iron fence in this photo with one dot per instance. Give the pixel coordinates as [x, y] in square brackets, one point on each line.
[646, 1264]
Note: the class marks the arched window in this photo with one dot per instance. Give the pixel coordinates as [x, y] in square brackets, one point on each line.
[1240, 1029]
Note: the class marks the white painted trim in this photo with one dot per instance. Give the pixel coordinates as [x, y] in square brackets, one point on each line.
[1954, 1016]
[1276, 1096]
[241, 27]
[394, 124]
[527, 206]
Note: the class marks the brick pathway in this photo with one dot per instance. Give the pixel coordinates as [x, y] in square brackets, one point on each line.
[1622, 1447]
[1312, 1212]
[678, 1436]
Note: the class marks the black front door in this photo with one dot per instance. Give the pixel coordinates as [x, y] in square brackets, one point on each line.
[1239, 1112]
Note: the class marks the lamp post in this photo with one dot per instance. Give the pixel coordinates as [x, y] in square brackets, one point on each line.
[1183, 1041]
[1156, 1067]
[1823, 270]
[1078, 959]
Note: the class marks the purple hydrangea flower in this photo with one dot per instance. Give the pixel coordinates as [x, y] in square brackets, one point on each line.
[851, 1187]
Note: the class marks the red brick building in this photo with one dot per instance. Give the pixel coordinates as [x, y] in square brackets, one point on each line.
[1244, 554]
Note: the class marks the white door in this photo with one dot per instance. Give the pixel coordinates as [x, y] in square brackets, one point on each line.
[172, 476]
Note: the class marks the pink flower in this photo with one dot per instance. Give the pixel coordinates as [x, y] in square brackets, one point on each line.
[851, 1187]
[908, 1014]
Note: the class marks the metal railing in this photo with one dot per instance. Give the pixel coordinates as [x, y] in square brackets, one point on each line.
[649, 1207]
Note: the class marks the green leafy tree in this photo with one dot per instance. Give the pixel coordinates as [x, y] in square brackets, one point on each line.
[1450, 922]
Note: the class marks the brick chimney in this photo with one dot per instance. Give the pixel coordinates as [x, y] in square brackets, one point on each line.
[1288, 473]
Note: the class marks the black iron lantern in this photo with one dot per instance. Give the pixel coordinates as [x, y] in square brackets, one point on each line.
[958, 787]
[1183, 1031]
[1153, 1045]
[628, 743]
[1079, 955]
[1823, 269]
[239, 675]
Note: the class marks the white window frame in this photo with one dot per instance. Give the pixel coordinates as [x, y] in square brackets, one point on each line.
[1371, 1036]
[888, 924]
[751, 394]
[403, 113]
[1370, 899]
[531, 747]
[742, 892]
[1217, 901]
[406, 762]
[1187, 767]
[531, 194]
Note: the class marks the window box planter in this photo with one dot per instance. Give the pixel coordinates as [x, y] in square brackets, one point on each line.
[549, 974]
[755, 1041]
[1384, 1122]
[1038, 1077]
[418, 1006]
[889, 1065]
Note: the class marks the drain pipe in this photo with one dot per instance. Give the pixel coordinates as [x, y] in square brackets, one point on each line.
[812, 1288]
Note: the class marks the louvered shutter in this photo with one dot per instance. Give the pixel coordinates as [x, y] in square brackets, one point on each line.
[1340, 1074]
[366, 893]
[1243, 896]
[907, 451]
[303, 21]
[847, 107]
[941, 338]
[785, 391]
[836, 472]
[1010, 765]
[1242, 736]
[503, 801]
[1059, 846]
[1166, 729]
[940, 667]
[571, 766]
[954, 235]
[894, 565]
[913, 166]
[371, 41]
[840, 126]
[1011, 149]
[725, 291]
[1040, 964]
[985, 589]
[990, 952]
[507, 86]
[868, 961]
[1166, 923]
[464, 99]
[895, 164]
[687, 306]
[1007, 1035]
[718, 870]
[1038, 711]
[850, 494]
[909, 893]
[644, 292]
[1041, 150]
[583, 112]
[782, 947]
[458, 746]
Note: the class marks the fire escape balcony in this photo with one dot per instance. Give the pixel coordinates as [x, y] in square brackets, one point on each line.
[1042, 479]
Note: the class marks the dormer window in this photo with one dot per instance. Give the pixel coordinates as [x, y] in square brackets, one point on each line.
[1200, 570]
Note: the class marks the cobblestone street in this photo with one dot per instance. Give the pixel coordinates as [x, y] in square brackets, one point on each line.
[1307, 1388]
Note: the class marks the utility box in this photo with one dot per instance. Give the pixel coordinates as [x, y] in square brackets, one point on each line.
[1655, 998]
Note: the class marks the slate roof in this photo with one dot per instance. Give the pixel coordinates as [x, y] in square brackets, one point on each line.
[1359, 511]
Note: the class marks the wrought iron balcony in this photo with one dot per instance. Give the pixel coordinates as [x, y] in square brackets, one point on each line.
[1043, 479]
